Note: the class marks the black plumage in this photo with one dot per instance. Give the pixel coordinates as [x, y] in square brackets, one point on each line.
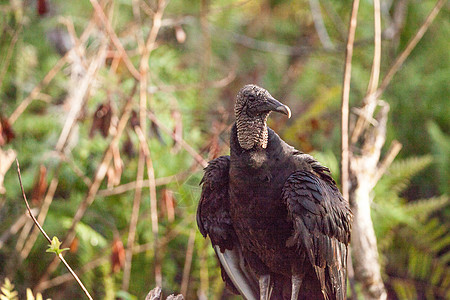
[274, 215]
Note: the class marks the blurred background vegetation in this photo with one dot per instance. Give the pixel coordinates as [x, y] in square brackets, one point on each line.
[203, 53]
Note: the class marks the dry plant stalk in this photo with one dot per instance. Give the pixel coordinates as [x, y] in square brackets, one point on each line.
[345, 101]
[188, 262]
[47, 237]
[133, 221]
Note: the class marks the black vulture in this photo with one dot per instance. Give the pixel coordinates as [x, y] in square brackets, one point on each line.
[275, 217]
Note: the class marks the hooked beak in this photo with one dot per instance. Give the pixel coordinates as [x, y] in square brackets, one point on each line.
[275, 105]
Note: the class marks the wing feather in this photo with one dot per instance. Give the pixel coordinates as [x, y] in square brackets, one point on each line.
[322, 223]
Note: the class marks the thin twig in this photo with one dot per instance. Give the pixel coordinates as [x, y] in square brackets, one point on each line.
[141, 130]
[87, 181]
[153, 202]
[395, 148]
[46, 236]
[319, 25]
[220, 83]
[120, 189]
[345, 184]
[375, 73]
[133, 221]
[198, 158]
[68, 277]
[411, 44]
[42, 213]
[37, 89]
[13, 229]
[188, 262]
[335, 18]
[370, 101]
[9, 53]
[112, 34]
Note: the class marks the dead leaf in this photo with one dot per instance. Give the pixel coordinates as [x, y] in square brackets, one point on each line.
[117, 255]
[42, 7]
[169, 204]
[6, 159]
[40, 186]
[101, 120]
[6, 132]
[74, 245]
[114, 172]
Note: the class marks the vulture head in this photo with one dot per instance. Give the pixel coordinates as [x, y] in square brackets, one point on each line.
[253, 106]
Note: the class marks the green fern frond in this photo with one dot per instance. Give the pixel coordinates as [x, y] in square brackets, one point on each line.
[424, 263]
[424, 207]
[441, 151]
[399, 174]
[404, 289]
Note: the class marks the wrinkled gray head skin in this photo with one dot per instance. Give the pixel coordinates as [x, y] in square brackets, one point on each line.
[253, 105]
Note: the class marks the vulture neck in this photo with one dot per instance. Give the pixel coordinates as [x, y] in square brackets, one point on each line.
[252, 131]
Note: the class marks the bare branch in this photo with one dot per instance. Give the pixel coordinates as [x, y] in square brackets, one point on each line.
[153, 201]
[14, 228]
[112, 34]
[141, 129]
[388, 159]
[37, 89]
[375, 73]
[345, 101]
[188, 262]
[9, 53]
[198, 158]
[145, 184]
[411, 45]
[133, 221]
[319, 25]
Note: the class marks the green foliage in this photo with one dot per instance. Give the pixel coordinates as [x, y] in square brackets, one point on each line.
[8, 292]
[441, 151]
[54, 247]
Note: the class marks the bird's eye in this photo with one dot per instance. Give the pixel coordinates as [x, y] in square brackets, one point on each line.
[251, 97]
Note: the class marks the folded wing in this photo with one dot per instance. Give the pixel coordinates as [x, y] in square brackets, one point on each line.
[322, 224]
[213, 220]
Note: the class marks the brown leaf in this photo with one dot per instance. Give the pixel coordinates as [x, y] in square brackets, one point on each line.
[6, 159]
[101, 120]
[6, 132]
[74, 245]
[168, 204]
[42, 7]
[315, 124]
[134, 119]
[117, 255]
[40, 186]
[114, 172]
